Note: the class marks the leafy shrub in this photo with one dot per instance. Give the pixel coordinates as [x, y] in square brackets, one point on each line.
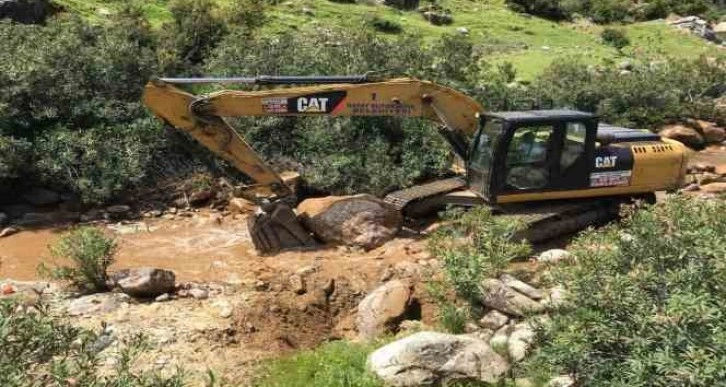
[652, 94]
[385, 25]
[330, 365]
[39, 350]
[14, 157]
[475, 245]
[646, 301]
[90, 252]
[359, 154]
[549, 9]
[615, 38]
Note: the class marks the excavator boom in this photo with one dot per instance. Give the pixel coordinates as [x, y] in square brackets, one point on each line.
[203, 117]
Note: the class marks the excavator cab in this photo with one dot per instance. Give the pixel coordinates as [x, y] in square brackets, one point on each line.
[515, 153]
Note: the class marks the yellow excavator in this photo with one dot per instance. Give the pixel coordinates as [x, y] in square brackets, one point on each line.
[556, 170]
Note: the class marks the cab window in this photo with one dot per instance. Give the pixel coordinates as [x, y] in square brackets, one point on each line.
[528, 157]
[574, 147]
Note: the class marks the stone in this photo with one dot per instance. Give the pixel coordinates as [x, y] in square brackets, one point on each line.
[524, 288]
[702, 168]
[42, 197]
[297, 284]
[496, 295]
[91, 215]
[714, 188]
[500, 339]
[382, 309]
[554, 256]
[708, 178]
[432, 358]
[402, 4]
[162, 298]
[493, 320]
[7, 231]
[562, 381]
[684, 134]
[100, 303]
[241, 206]
[360, 221]
[462, 30]
[27, 11]
[556, 297]
[198, 294]
[3, 218]
[519, 341]
[438, 18]
[200, 197]
[119, 209]
[17, 210]
[146, 282]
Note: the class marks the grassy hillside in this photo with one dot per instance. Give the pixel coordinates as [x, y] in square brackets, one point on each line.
[528, 42]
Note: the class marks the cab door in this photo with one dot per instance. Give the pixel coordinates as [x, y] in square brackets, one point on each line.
[545, 156]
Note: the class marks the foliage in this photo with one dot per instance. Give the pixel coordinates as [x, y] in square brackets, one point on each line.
[14, 157]
[614, 37]
[609, 11]
[645, 301]
[90, 252]
[474, 245]
[332, 364]
[653, 93]
[341, 155]
[39, 350]
[385, 25]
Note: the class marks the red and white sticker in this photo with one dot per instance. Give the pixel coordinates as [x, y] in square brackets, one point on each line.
[274, 105]
[610, 179]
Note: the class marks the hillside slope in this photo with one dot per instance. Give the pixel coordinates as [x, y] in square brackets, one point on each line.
[530, 43]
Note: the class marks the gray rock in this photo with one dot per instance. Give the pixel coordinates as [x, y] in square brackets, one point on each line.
[462, 30]
[428, 358]
[554, 256]
[7, 231]
[519, 341]
[493, 320]
[556, 297]
[562, 381]
[361, 220]
[118, 210]
[3, 219]
[27, 11]
[163, 298]
[500, 339]
[99, 303]
[198, 294]
[402, 4]
[524, 288]
[382, 309]
[496, 295]
[42, 197]
[297, 284]
[147, 282]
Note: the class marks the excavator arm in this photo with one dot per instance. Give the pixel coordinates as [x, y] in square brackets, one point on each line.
[203, 117]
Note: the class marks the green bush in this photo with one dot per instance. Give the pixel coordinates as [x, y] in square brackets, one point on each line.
[645, 301]
[387, 26]
[615, 38]
[550, 9]
[90, 252]
[39, 350]
[332, 364]
[14, 157]
[475, 245]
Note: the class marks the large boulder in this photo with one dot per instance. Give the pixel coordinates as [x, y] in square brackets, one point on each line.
[145, 282]
[684, 134]
[712, 134]
[714, 188]
[428, 358]
[27, 11]
[360, 220]
[402, 4]
[33, 219]
[496, 295]
[382, 309]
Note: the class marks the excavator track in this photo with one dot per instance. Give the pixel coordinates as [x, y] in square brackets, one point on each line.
[400, 199]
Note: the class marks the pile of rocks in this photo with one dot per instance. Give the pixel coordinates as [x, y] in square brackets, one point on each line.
[705, 179]
[695, 134]
[696, 26]
[501, 338]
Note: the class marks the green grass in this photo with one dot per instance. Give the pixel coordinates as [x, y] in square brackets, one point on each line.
[529, 43]
[335, 364]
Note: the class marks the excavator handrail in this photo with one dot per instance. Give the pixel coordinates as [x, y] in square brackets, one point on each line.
[273, 80]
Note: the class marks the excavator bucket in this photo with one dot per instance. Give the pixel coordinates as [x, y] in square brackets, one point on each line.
[277, 228]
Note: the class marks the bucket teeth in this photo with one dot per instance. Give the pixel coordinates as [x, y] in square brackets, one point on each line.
[278, 229]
